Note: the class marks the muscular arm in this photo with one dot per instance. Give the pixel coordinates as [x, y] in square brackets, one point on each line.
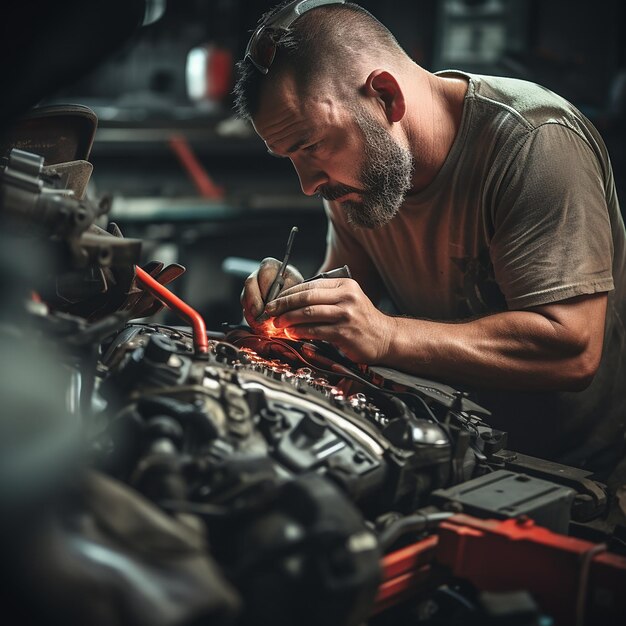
[551, 235]
[554, 346]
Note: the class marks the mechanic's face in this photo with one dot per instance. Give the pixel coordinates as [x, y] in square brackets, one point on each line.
[341, 154]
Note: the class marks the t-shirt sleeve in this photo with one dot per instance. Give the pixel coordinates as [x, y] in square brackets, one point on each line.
[552, 234]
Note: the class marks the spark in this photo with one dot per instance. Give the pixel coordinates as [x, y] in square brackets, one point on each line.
[269, 330]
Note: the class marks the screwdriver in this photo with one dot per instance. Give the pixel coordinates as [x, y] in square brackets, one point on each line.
[339, 272]
[279, 281]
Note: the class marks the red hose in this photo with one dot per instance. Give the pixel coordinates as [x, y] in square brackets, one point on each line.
[174, 303]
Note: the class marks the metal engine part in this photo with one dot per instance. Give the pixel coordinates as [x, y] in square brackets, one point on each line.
[230, 478]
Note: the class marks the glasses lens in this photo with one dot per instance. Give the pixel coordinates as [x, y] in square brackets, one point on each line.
[261, 49]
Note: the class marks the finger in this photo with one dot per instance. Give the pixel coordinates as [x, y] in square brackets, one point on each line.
[256, 287]
[323, 332]
[312, 314]
[301, 299]
[268, 271]
[251, 300]
[320, 283]
[292, 277]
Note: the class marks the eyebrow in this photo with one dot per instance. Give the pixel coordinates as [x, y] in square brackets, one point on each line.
[296, 146]
[299, 144]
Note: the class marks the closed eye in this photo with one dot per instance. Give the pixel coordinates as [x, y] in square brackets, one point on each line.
[312, 147]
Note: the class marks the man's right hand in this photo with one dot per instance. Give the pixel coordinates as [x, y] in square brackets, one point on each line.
[258, 283]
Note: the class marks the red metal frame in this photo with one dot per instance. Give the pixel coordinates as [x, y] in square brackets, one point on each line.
[575, 582]
[406, 572]
[173, 302]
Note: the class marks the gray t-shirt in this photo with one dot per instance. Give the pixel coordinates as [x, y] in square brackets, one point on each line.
[523, 212]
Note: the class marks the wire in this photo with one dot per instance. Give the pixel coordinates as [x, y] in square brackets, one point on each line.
[345, 372]
[414, 523]
[186, 333]
[428, 410]
[583, 580]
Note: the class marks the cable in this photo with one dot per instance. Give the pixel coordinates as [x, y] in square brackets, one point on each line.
[346, 373]
[414, 523]
[583, 580]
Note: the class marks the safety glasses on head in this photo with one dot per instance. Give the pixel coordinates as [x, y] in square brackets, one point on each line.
[261, 48]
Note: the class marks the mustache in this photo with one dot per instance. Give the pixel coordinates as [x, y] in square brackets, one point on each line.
[332, 193]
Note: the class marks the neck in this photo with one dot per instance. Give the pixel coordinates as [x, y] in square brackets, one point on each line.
[434, 123]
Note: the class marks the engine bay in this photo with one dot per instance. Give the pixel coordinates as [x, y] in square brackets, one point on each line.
[163, 474]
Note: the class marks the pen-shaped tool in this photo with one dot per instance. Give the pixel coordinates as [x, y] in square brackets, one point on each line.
[279, 281]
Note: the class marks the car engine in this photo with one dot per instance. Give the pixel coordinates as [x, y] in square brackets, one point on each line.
[161, 474]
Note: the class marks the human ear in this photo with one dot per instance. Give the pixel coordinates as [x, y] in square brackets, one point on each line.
[383, 85]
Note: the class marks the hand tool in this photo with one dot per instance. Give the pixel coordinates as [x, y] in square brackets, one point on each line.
[339, 272]
[279, 281]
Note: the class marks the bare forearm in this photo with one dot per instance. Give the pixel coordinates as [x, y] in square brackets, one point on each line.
[554, 346]
[513, 349]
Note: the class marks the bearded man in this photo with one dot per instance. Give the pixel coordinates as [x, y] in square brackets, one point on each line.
[484, 208]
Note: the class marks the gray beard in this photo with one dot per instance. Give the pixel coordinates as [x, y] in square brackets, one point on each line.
[385, 175]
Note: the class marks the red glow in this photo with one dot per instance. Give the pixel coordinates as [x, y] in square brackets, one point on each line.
[268, 329]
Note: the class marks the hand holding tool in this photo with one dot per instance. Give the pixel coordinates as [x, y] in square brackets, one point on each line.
[279, 281]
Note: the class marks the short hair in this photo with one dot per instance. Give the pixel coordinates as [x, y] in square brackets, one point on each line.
[322, 41]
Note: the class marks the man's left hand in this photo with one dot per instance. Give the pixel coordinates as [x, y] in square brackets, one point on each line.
[337, 311]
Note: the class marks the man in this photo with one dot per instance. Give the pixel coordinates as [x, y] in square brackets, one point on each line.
[484, 208]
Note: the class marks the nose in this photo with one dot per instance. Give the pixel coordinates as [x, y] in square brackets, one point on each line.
[311, 177]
